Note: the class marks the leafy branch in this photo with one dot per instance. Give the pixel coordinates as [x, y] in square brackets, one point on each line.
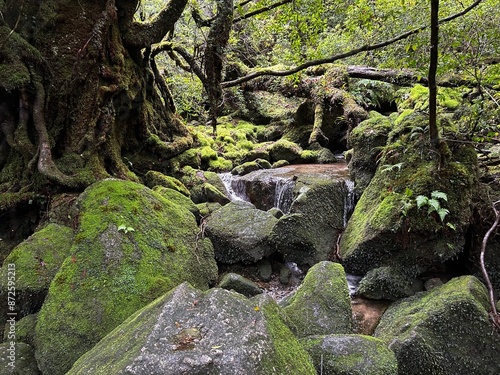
[331, 59]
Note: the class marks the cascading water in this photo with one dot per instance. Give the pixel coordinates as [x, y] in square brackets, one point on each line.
[235, 187]
[283, 194]
[348, 201]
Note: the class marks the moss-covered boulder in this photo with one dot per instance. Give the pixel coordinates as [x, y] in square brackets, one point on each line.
[154, 178]
[178, 198]
[308, 233]
[350, 355]
[188, 331]
[204, 186]
[240, 232]
[444, 332]
[250, 166]
[367, 140]
[17, 358]
[388, 283]
[132, 245]
[284, 150]
[321, 305]
[33, 264]
[417, 208]
[24, 330]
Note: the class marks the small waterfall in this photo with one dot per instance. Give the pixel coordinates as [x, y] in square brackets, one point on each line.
[283, 194]
[234, 186]
[348, 201]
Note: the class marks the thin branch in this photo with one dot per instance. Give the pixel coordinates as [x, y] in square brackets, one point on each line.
[261, 10]
[331, 59]
[496, 207]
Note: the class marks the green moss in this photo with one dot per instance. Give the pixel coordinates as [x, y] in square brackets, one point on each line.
[130, 242]
[284, 150]
[39, 257]
[289, 357]
[220, 165]
[207, 154]
[444, 331]
[13, 76]
[350, 355]
[312, 312]
[154, 178]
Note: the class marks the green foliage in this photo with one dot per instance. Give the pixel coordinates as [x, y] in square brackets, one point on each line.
[433, 204]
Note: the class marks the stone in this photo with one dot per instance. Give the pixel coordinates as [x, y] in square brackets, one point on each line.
[240, 284]
[350, 355]
[21, 355]
[240, 233]
[445, 331]
[321, 305]
[131, 246]
[188, 331]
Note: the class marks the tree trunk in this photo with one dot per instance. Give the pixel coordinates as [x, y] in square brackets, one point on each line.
[81, 95]
[433, 130]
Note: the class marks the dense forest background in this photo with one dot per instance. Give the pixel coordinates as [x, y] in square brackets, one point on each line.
[109, 88]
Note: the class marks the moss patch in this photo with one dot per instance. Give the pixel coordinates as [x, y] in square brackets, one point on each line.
[132, 245]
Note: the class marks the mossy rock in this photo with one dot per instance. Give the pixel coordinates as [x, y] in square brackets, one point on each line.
[251, 166]
[388, 229]
[190, 331]
[387, 283]
[240, 284]
[240, 233]
[36, 262]
[321, 305]
[443, 332]
[24, 330]
[176, 197]
[154, 178]
[350, 355]
[286, 150]
[308, 233]
[367, 140]
[204, 186]
[132, 245]
[24, 363]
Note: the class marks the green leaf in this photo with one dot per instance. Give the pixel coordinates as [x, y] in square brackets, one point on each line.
[442, 212]
[122, 228]
[422, 200]
[450, 225]
[439, 195]
[433, 205]
[408, 192]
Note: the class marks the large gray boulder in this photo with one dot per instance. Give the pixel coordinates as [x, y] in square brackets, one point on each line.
[350, 355]
[321, 305]
[132, 245]
[240, 232]
[188, 331]
[443, 332]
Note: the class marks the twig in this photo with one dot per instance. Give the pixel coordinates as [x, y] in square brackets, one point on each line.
[494, 312]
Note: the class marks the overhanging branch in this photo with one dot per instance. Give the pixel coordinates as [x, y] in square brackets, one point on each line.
[332, 59]
[142, 35]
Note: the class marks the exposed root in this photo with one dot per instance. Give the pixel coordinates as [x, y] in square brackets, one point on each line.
[46, 165]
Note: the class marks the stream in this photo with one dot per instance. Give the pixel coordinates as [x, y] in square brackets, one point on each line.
[279, 188]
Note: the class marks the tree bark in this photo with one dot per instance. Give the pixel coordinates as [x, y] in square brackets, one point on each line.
[84, 95]
[433, 129]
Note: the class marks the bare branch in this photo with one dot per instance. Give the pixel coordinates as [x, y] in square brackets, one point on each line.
[496, 207]
[261, 10]
[331, 59]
